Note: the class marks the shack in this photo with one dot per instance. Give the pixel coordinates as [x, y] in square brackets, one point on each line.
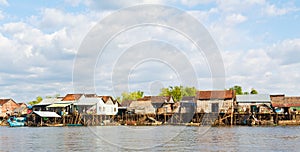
[217, 101]
[7, 107]
[254, 103]
[88, 105]
[188, 105]
[44, 118]
[66, 105]
[21, 110]
[42, 106]
[286, 105]
[141, 106]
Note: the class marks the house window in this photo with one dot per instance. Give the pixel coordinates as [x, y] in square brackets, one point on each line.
[99, 109]
[115, 109]
[215, 107]
[103, 109]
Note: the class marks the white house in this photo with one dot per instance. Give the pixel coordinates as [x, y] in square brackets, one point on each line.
[108, 106]
[100, 105]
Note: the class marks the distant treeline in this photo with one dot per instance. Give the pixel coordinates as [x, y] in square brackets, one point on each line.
[177, 92]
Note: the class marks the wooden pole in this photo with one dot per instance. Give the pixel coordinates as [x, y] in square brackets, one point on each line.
[231, 118]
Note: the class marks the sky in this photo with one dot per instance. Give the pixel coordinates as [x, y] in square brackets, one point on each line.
[64, 46]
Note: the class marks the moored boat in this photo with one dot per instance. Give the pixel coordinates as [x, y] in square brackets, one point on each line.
[16, 121]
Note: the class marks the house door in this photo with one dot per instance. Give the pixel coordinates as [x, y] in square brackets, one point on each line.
[254, 109]
[215, 107]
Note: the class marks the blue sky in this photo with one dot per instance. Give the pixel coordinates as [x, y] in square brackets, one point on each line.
[39, 40]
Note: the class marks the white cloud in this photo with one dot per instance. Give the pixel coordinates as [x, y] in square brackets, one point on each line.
[101, 5]
[4, 2]
[286, 52]
[238, 5]
[191, 3]
[42, 48]
[1, 15]
[235, 19]
[273, 10]
[272, 69]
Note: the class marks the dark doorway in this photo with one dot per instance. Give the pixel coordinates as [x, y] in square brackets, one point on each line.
[215, 107]
[254, 109]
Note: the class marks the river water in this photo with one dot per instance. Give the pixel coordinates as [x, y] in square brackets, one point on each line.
[144, 138]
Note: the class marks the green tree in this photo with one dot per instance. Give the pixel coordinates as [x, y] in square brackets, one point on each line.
[253, 91]
[238, 89]
[177, 92]
[189, 91]
[132, 95]
[38, 100]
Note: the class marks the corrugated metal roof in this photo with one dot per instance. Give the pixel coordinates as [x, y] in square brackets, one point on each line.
[47, 101]
[88, 101]
[84, 104]
[215, 94]
[58, 105]
[258, 98]
[188, 98]
[72, 97]
[47, 114]
[157, 99]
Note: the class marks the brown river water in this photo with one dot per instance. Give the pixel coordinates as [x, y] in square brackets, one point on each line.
[150, 138]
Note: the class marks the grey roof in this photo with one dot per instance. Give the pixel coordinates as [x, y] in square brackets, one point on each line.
[47, 114]
[88, 101]
[256, 98]
[47, 101]
[188, 98]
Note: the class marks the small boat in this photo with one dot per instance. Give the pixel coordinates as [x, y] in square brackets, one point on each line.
[16, 121]
[54, 125]
[74, 125]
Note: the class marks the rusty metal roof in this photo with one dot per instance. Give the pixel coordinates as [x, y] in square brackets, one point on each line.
[3, 101]
[71, 97]
[286, 102]
[156, 99]
[215, 94]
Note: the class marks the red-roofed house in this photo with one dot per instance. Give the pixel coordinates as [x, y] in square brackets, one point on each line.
[215, 101]
[7, 106]
[72, 97]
